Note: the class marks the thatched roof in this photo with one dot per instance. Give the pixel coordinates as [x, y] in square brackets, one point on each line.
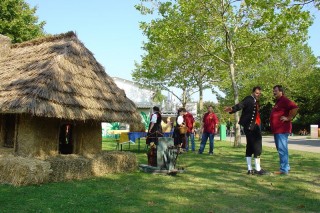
[59, 77]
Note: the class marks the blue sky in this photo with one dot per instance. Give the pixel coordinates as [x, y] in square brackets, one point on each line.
[110, 29]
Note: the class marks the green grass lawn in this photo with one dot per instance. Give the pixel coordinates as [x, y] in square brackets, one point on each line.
[217, 183]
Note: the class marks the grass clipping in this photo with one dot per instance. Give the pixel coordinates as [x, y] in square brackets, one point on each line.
[20, 171]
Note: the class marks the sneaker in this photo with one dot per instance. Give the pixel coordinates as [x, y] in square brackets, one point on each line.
[250, 172]
[280, 173]
[210, 153]
[261, 172]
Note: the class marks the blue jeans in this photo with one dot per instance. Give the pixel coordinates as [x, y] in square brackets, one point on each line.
[191, 135]
[281, 141]
[204, 139]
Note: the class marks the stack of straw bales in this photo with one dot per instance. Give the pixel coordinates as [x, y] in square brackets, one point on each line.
[20, 171]
[69, 167]
[113, 162]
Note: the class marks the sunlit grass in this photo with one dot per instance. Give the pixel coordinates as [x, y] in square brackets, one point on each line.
[210, 184]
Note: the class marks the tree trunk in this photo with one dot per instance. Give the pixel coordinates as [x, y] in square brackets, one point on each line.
[184, 98]
[200, 98]
[200, 107]
[237, 138]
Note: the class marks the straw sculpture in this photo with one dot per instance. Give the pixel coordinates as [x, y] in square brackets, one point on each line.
[57, 76]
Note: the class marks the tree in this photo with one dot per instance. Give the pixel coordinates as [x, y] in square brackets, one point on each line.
[171, 59]
[236, 32]
[18, 21]
[291, 66]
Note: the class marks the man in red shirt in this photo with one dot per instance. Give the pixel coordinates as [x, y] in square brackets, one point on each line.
[209, 128]
[189, 121]
[280, 121]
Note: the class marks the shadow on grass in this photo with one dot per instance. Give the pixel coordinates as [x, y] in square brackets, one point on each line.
[217, 183]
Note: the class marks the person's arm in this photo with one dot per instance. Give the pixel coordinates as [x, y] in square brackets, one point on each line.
[151, 126]
[292, 114]
[153, 121]
[293, 110]
[236, 107]
[216, 120]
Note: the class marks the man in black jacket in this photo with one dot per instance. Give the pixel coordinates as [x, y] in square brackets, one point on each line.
[250, 120]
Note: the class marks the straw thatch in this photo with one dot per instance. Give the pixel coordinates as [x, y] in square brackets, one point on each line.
[23, 171]
[59, 77]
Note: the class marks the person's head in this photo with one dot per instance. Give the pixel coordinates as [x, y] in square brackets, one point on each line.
[183, 111]
[256, 92]
[278, 91]
[155, 109]
[210, 108]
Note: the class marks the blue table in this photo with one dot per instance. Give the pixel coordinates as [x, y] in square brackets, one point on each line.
[133, 136]
[167, 134]
[136, 135]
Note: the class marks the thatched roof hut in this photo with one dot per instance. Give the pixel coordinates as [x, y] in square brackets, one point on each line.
[59, 77]
[53, 87]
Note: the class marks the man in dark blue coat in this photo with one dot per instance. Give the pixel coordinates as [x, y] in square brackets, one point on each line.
[250, 120]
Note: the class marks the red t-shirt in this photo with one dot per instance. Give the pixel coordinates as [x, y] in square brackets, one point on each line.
[189, 120]
[281, 108]
[210, 120]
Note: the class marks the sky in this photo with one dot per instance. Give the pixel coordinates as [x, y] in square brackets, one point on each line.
[110, 30]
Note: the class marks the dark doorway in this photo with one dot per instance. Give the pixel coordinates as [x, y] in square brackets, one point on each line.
[66, 139]
[10, 124]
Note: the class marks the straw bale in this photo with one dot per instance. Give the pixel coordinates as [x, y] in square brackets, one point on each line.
[113, 162]
[6, 151]
[23, 171]
[69, 167]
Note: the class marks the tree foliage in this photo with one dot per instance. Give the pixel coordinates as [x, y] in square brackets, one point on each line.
[173, 58]
[233, 33]
[18, 21]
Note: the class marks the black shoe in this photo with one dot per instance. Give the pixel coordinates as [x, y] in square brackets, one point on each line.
[210, 153]
[250, 172]
[261, 172]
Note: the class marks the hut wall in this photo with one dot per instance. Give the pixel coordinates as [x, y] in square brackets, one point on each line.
[37, 136]
[2, 126]
[88, 138]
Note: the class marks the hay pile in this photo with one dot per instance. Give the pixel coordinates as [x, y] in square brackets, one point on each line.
[20, 171]
[69, 167]
[113, 162]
